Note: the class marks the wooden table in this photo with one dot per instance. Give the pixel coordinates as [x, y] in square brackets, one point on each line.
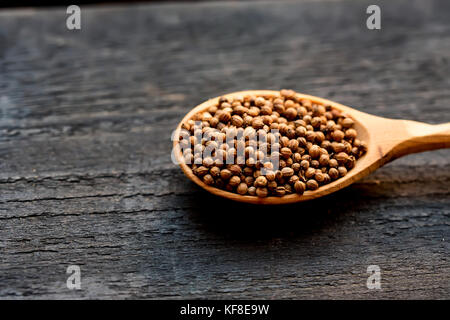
[86, 176]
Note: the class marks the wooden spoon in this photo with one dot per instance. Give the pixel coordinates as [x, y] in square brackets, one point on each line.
[387, 139]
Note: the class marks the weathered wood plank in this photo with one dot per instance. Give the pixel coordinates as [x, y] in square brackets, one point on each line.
[85, 170]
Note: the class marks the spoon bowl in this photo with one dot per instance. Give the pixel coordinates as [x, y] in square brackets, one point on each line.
[387, 139]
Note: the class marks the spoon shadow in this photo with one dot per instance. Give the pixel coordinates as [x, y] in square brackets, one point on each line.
[249, 223]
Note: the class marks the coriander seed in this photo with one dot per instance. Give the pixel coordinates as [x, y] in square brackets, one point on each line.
[208, 179]
[242, 188]
[234, 181]
[270, 145]
[287, 172]
[299, 187]
[342, 171]
[225, 174]
[312, 184]
[280, 191]
[260, 181]
[333, 173]
[262, 192]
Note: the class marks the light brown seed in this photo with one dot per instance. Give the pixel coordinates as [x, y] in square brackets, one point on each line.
[300, 131]
[333, 173]
[316, 121]
[240, 110]
[333, 163]
[314, 151]
[237, 121]
[270, 175]
[201, 171]
[235, 169]
[337, 147]
[319, 177]
[225, 174]
[257, 123]
[253, 111]
[286, 152]
[299, 187]
[293, 179]
[337, 135]
[261, 181]
[266, 110]
[310, 135]
[234, 181]
[271, 185]
[215, 172]
[296, 166]
[324, 160]
[224, 116]
[289, 104]
[312, 184]
[342, 171]
[287, 172]
[341, 157]
[304, 164]
[350, 134]
[310, 172]
[347, 123]
[280, 191]
[249, 180]
[320, 137]
[293, 145]
[260, 101]
[290, 113]
[262, 192]
[208, 179]
[242, 188]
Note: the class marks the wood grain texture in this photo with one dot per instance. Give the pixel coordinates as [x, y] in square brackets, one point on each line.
[85, 170]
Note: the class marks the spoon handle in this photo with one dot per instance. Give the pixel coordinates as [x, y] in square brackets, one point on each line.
[422, 137]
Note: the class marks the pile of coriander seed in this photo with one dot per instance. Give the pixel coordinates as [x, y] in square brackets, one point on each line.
[271, 145]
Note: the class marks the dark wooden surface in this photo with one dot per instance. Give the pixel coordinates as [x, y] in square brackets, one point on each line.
[85, 170]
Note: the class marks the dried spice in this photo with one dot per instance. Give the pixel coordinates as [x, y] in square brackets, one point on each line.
[270, 145]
